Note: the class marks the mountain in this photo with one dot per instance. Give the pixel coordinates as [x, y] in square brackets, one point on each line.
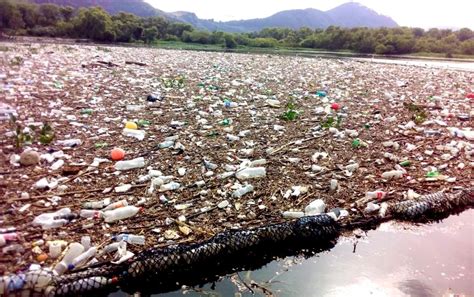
[293, 19]
[137, 7]
[356, 15]
[346, 15]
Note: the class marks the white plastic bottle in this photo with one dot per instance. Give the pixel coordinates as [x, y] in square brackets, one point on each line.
[89, 213]
[242, 191]
[110, 248]
[120, 213]
[70, 142]
[82, 258]
[293, 214]
[170, 187]
[376, 194]
[96, 204]
[251, 172]
[48, 221]
[392, 174]
[130, 164]
[74, 250]
[131, 238]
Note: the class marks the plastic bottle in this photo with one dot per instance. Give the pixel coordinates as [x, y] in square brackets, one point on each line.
[96, 204]
[293, 214]
[392, 174]
[87, 111]
[110, 248]
[232, 138]
[68, 217]
[242, 191]
[315, 207]
[49, 221]
[170, 187]
[391, 157]
[333, 185]
[90, 213]
[130, 164]
[138, 134]
[116, 205]
[166, 144]
[70, 142]
[405, 163]
[251, 172]
[376, 195]
[131, 238]
[7, 237]
[82, 258]
[120, 213]
[74, 250]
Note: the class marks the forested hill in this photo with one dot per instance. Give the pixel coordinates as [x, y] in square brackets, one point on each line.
[136, 7]
[346, 15]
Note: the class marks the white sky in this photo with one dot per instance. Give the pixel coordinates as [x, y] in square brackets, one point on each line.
[413, 13]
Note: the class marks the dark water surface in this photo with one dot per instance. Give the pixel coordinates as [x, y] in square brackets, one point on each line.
[395, 260]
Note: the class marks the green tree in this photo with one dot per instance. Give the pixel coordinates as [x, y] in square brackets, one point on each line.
[94, 23]
[229, 41]
[150, 34]
[465, 34]
[29, 13]
[49, 14]
[10, 16]
[67, 12]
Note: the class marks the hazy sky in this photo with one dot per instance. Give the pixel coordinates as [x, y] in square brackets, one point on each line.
[414, 13]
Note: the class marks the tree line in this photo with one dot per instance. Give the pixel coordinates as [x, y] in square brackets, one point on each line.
[23, 18]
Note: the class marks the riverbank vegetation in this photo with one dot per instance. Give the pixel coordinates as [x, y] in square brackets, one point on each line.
[22, 18]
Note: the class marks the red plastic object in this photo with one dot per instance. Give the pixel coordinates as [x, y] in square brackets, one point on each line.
[117, 154]
[336, 106]
[470, 95]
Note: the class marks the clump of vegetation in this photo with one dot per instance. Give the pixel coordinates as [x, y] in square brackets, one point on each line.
[419, 114]
[46, 134]
[291, 114]
[16, 61]
[26, 135]
[177, 82]
[332, 122]
[103, 49]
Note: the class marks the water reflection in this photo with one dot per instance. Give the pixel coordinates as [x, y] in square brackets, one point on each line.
[395, 260]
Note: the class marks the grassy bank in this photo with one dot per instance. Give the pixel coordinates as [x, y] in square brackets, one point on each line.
[303, 51]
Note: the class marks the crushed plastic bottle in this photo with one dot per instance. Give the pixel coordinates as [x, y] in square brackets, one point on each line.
[130, 164]
[53, 219]
[251, 172]
[121, 213]
[138, 134]
[242, 191]
[393, 174]
[96, 204]
[131, 238]
[69, 142]
[315, 207]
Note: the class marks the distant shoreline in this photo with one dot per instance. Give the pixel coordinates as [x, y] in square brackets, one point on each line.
[302, 52]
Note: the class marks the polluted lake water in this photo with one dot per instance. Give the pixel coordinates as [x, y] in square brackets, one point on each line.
[395, 260]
